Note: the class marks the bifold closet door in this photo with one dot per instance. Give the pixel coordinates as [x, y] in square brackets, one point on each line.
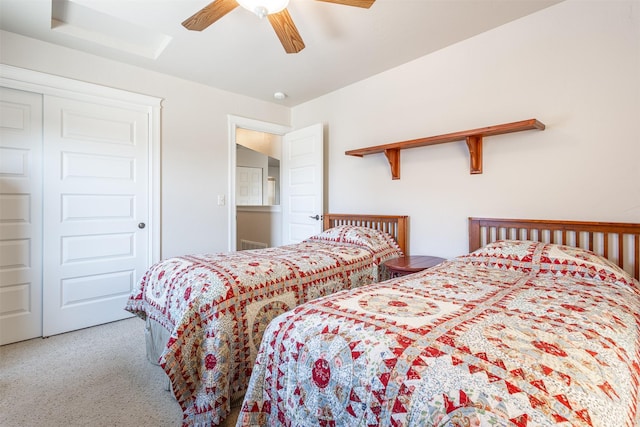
[96, 207]
[20, 215]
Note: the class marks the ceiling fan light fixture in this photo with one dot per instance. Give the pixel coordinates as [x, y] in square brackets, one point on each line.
[263, 8]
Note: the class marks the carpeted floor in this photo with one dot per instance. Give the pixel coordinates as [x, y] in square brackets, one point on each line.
[93, 377]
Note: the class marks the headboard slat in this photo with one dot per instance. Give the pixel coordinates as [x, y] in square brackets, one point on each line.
[620, 250]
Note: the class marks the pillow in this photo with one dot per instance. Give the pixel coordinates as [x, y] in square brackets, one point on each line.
[381, 244]
[548, 258]
[577, 262]
[515, 255]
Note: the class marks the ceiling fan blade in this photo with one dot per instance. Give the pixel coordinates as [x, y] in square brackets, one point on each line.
[287, 32]
[357, 3]
[209, 14]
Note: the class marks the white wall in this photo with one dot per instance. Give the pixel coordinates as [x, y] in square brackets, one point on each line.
[262, 225]
[194, 136]
[574, 66]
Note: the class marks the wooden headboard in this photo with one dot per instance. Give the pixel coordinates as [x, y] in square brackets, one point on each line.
[395, 225]
[617, 241]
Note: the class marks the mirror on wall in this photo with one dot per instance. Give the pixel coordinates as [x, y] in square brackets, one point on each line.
[257, 168]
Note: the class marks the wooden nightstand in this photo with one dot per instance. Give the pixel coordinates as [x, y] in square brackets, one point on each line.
[411, 264]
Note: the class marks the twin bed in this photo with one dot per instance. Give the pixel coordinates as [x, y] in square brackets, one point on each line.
[516, 333]
[528, 329]
[206, 313]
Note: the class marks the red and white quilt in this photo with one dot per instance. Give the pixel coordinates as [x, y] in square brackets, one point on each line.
[218, 306]
[515, 334]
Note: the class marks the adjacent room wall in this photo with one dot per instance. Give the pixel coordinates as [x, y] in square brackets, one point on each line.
[194, 136]
[574, 66]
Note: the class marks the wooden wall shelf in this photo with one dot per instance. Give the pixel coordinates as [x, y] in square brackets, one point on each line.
[473, 138]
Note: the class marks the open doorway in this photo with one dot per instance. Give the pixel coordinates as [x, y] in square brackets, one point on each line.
[299, 213]
[255, 149]
[257, 194]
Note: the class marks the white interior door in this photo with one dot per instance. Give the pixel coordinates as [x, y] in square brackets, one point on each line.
[302, 183]
[96, 184]
[20, 215]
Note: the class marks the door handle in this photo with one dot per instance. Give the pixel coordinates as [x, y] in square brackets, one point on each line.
[141, 225]
[316, 217]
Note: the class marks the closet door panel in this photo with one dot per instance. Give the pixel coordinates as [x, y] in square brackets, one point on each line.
[20, 215]
[96, 200]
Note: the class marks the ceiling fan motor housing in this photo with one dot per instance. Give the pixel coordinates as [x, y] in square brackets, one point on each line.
[263, 8]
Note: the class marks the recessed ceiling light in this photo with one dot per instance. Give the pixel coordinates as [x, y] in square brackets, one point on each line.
[280, 95]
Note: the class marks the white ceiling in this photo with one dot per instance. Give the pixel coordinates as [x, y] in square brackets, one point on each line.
[241, 53]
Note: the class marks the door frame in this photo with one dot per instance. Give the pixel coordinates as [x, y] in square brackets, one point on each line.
[47, 84]
[235, 122]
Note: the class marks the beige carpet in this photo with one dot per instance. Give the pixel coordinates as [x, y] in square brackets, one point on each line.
[93, 377]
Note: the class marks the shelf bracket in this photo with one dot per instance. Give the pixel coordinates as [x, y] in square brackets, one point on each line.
[474, 143]
[393, 156]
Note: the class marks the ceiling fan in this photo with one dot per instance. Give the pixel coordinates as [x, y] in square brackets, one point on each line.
[274, 10]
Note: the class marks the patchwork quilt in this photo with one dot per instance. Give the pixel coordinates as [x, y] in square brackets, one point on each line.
[217, 307]
[515, 334]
